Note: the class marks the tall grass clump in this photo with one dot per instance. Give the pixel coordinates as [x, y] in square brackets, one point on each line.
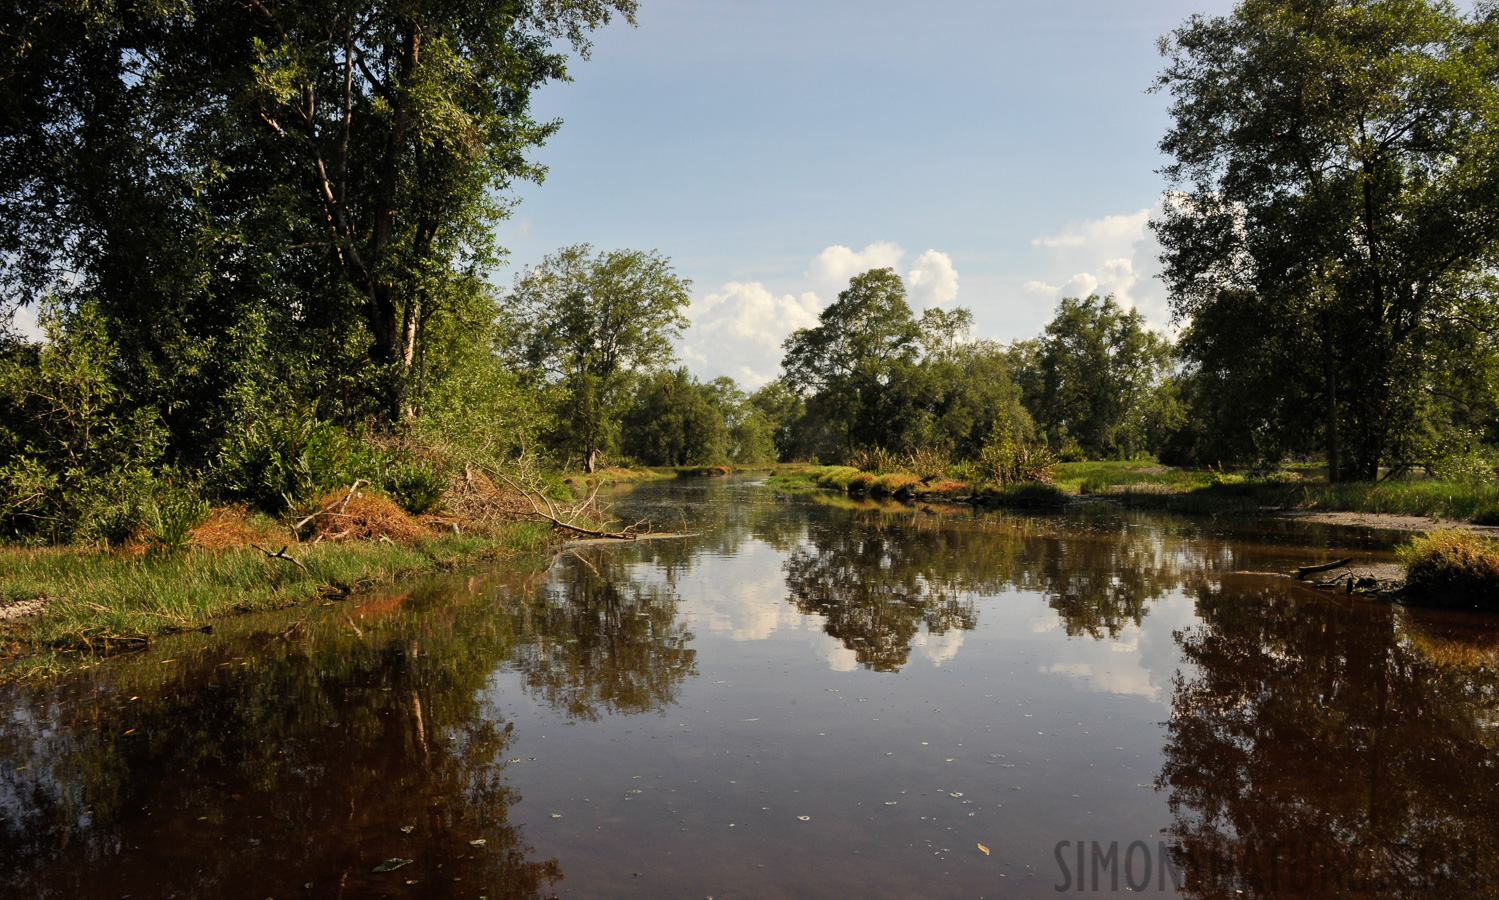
[1452, 567]
[1007, 461]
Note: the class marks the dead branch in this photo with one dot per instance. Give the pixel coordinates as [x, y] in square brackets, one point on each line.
[565, 517]
[1325, 567]
[280, 554]
[296, 529]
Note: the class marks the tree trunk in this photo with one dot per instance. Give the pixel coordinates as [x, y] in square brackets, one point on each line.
[1334, 472]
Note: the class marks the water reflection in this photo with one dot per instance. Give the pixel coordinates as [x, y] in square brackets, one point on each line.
[1353, 739]
[599, 640]
[256, 771]
[1334, 747]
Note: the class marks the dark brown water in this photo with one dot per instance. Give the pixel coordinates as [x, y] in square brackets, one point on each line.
[807, 699]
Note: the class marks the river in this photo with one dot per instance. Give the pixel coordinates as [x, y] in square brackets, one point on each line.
[807, 697]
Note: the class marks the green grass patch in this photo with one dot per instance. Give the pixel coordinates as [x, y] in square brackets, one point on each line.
[99, 600]
[1103, 477]
[1452, 567]
[894, 483]
[1031, 495]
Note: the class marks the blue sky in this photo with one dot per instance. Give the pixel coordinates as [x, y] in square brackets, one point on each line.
[998, 154]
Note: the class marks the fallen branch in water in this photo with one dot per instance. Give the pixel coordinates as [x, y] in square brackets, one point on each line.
[1325, 567]
[280, 554]
[567, 517]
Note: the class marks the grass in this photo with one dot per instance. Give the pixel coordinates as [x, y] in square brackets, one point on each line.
[1102, 477]
[1451, 567]
[1204, 491]
[98, 600]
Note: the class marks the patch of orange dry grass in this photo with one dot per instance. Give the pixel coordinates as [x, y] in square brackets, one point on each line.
[224, 529]
[364, 517]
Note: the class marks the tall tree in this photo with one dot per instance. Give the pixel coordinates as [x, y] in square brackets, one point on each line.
[337, 165]
[1094, 370]
[851, 361]
[583, 323]
[1338, 205]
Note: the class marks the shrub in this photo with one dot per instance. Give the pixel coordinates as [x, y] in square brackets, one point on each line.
[1007, 461]
[171, 518]
[876, 459]
[927, 463]
[417, 486]
[1452, 567]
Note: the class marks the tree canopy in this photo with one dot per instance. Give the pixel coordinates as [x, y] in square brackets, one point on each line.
[1332, 244]
[583, 323]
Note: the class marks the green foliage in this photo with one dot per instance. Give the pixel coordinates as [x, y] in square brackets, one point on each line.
[675, 420]
[1330, 244]
[337, 167]
[1452, 567]
[288, 456]
[1006, 461]
[1091, 380]
[584, 324]
[417, 486]
[69, 442]
[172, 515]
[877, 460]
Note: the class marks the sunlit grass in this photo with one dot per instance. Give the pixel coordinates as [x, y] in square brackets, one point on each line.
[99, 599]
[1451, 567]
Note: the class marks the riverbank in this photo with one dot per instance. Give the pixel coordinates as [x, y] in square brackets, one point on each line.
[66, 599]
[1408, 505]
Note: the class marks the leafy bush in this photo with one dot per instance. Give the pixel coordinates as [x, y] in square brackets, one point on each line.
[1452, 567]
[876, 459]
[417, 486]
[927, 463]
[171, 519]
[282, 458]
[1467, 466]
[1008, 461]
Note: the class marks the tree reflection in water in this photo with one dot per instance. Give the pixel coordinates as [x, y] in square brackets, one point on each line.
[599, 640]
[255, 767]
[1330, 747]
[878, 573]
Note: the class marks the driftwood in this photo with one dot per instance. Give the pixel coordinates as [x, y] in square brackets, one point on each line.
[280, 554]
[1325, 567]
[567, 517]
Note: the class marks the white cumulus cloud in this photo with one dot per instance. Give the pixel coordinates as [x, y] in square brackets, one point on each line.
[831, 269]
[933, 281]
[738, 330]
[1115, 254]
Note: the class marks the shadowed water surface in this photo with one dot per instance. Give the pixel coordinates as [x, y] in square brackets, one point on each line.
[806, 698]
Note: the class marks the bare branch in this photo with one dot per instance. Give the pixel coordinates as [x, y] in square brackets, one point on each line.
[280, 554]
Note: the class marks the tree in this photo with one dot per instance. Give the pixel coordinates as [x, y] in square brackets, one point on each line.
[1094, 371]
[1336, 162]
[331, 168]
[584, 323]
[674, 420]
[854, 359]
